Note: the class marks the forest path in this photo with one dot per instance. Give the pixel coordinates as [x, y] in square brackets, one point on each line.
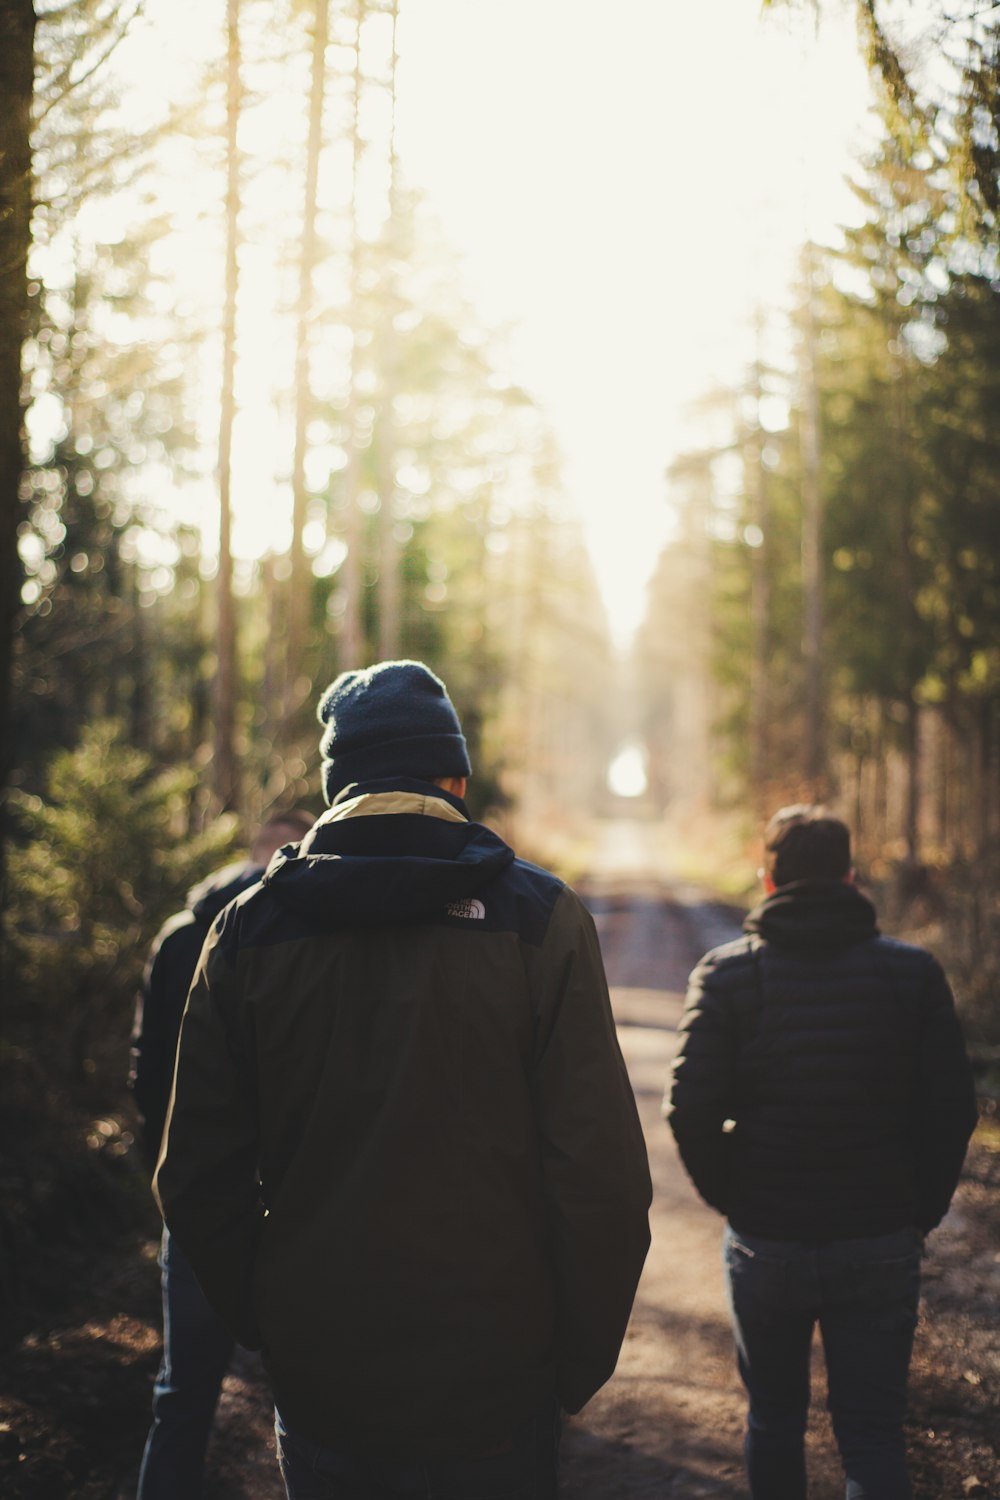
[669, 1422]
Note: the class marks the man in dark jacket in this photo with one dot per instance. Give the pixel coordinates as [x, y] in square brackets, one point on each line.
[404, 1156]
[822, 1100]
[197, 1347]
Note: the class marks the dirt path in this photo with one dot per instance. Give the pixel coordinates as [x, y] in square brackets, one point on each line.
[74, 1399]
[670, 1422]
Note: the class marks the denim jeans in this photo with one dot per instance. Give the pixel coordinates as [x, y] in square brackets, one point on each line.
[522, 1468]
[864, 1295]
[196, 1354]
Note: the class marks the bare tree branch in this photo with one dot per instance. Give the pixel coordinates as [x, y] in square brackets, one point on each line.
[64, 84]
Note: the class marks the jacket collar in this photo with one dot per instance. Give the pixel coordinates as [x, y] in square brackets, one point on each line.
[427, 791]
[374, 804]
[814, 914]
[386, 854]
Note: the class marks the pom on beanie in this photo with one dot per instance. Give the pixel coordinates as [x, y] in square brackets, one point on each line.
[393, 719]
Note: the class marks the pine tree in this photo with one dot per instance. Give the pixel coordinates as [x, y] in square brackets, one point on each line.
[106, 857]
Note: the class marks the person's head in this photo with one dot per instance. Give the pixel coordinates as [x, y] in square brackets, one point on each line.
[392, 719]
[805, 843]
[281, 828]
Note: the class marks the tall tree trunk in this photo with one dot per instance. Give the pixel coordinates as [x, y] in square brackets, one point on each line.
[298, 587]
[224, 764]
[17, 41]
[812, 551]
[909, 645]
[389, 590]
[911, 806]
[274, 595]
[140, 720]
[755, 481]
[982, 790]
[352, 628]
[992, 819]
[880, 790]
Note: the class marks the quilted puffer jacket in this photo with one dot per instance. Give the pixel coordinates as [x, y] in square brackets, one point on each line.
[821, 1090]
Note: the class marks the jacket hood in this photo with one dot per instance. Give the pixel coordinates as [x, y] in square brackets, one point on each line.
[387, 856]
[814, 914]
[209, 896]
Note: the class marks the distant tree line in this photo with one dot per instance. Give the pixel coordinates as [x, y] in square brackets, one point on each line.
[838, 552]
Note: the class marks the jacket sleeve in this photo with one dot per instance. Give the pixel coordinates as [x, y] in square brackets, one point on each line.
[206, 1182]
[701, 1095]
[946, 1102]
[595, 1172]
[159, 1008]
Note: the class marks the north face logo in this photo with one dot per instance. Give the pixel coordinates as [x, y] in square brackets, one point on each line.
[474, 909]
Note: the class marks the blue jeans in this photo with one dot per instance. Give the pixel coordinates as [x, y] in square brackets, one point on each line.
[864, 1295]
[522, 1468]
[196, 1354]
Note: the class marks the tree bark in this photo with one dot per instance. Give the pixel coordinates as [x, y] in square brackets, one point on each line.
[389, 591]
[224, 764]
[755, 481]
[812, 552]
[911, 812]
[906, 494]
[17, 64]
[352, 631]
[298, 586]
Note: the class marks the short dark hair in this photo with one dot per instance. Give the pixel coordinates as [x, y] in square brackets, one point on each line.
[806, 843]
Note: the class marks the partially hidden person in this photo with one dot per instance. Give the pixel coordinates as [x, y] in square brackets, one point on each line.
[403, 1155]
[197, 1347]
[822, 1101]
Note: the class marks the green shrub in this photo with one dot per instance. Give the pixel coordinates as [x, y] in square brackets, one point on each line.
[101, 861]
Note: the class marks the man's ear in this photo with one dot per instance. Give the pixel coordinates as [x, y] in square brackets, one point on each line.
[456, 785]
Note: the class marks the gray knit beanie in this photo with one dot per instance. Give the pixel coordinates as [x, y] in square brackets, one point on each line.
[393, 719]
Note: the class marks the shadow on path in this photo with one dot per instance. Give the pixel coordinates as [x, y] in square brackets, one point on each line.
[598, 1468]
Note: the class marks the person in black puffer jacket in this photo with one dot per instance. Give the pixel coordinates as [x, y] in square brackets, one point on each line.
[822, 1101]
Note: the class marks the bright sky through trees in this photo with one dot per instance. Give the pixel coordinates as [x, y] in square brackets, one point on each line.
[628, 181]
[624, 184]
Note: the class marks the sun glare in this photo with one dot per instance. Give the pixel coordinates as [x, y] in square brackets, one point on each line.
[627, 772]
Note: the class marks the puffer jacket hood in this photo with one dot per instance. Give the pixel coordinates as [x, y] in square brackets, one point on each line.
[814, 914]
[419, 856]
[209, 897]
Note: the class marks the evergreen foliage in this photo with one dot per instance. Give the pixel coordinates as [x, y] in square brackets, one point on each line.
[904, 343]
[101, 859]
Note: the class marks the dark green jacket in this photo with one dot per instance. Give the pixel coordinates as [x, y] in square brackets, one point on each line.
[404, 1155]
